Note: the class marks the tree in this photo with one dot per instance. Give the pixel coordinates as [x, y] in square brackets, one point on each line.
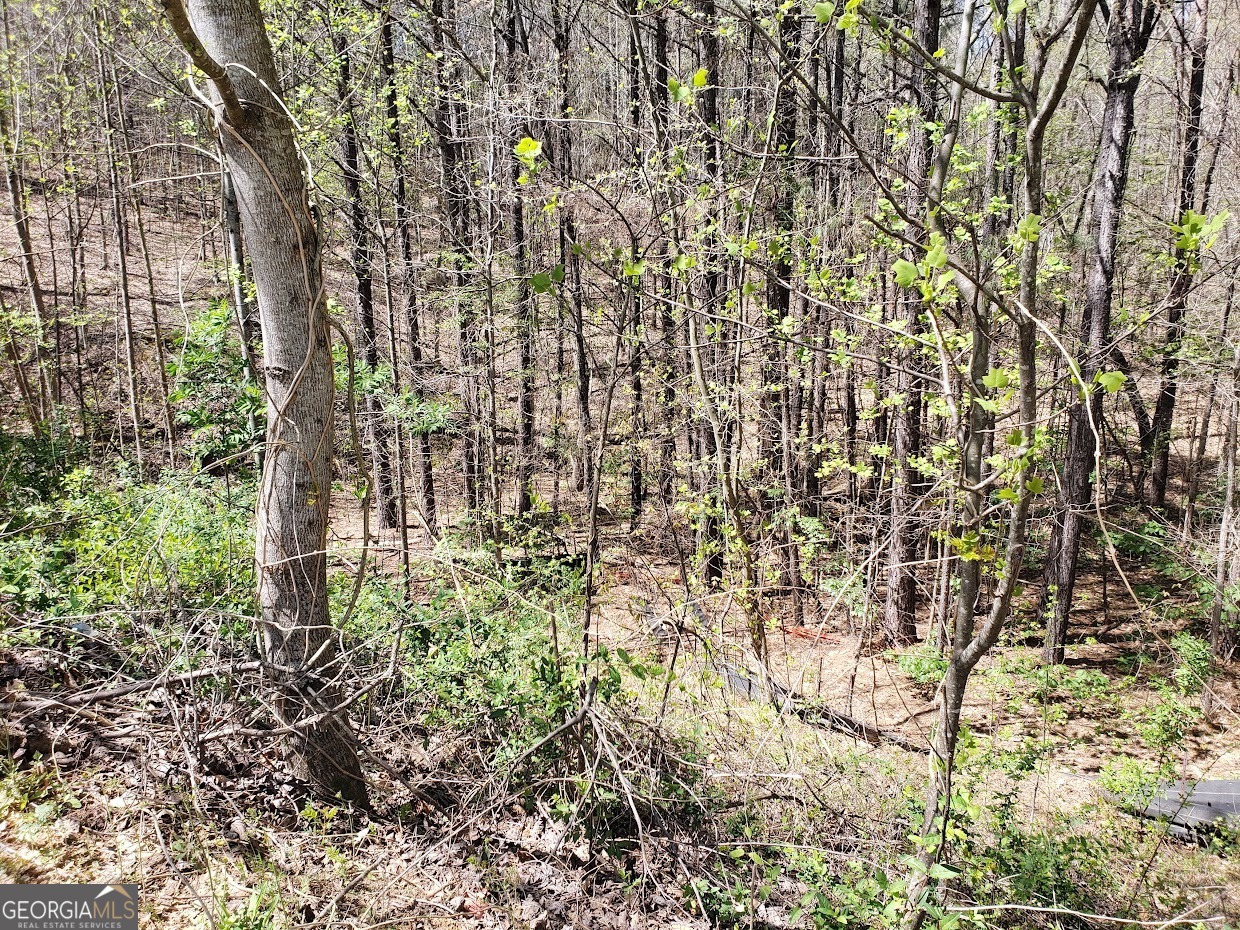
[1129, 26]
[899, 619]
[227, 41]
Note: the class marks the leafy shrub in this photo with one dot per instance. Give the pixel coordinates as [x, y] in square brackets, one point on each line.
[1148, 540]
[926, 665]
[261, 910]
[482, 659]
[1165, 725]
[1057, 866]
[862, 896]
[210, 395]
[1192, 662]
[1133, 782]
[739, 887]
[30, 472]
[183, 540]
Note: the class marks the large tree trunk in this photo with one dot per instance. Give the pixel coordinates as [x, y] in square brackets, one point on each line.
[235, 251]
[1128, 31]
[298, 641]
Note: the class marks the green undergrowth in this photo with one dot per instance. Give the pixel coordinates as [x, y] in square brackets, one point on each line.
[483, 664]
[98, 542]
[492, 659]
[1012, 845]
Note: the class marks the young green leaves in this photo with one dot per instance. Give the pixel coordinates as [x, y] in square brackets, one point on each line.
[682, 93]
[930, 275]
[528, 152]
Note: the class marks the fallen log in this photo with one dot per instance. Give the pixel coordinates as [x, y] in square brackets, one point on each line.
[789, 701]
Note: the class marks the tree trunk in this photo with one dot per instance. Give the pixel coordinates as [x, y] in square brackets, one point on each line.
[30, 268]
[234, 248]
[298, 641]
[900, 609]
[776, 423]
[1225, 533]
[378, 436]
[421, 438]
[525, 304]
[1186, 262]
[121, 226]
[1128, 30]
[447, 120]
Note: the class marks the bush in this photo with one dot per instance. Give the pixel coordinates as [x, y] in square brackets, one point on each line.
[1165, 725]
[1192, 662]
[925, 665]
[210, 395]
[482, 659]
[1133, 782]
[184, 541]
[31, 473]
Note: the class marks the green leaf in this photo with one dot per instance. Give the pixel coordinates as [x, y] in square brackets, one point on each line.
[915, 864]
[541, 282]
[906, 272]
[1034, 485]
[635, 269]
[942, 872]
[557, 274]
[699, 77]
[1111, 381]
[996, 379]
[527, 151]
[823, 12]
[1030, 227]
[937, 256]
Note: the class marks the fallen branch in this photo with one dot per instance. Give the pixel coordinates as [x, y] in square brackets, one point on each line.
[37, 700]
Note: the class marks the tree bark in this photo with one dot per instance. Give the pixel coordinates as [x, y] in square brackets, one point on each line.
[421, 439]
[900, 609]
[515, 45]
[378, 435]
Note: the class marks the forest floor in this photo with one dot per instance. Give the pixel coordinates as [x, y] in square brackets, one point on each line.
[452, 842]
